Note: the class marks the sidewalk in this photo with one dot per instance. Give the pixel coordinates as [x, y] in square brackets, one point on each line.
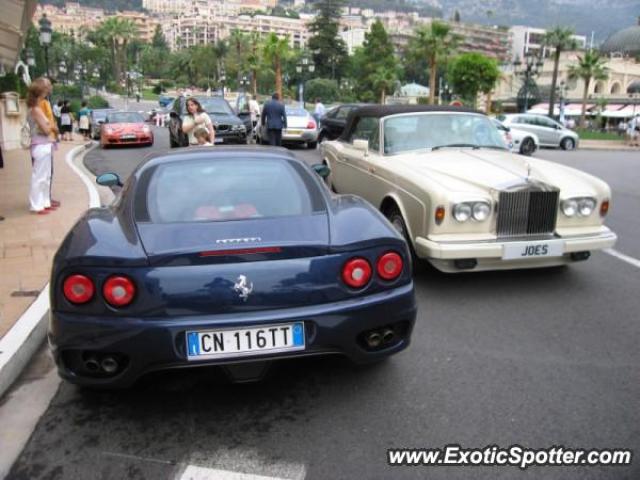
[27, 241]
[606, 145]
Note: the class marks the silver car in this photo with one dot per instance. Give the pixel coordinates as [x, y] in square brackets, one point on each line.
[550, 133]
[301, 128]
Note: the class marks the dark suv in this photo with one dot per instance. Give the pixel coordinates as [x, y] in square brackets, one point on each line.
[229, 128]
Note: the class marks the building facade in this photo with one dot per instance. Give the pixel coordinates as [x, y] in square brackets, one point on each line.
[530, 41]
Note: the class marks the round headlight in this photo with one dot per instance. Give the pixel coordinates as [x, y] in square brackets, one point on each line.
[586, 207]
[462, 212]
[481, 211]
[569, 207]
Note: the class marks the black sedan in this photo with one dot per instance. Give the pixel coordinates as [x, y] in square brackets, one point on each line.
[228, 127]
[226, 256]
[333, 122]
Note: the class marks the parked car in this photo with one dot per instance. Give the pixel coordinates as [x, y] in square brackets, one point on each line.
[444, 178]
[333, 122]
[96, 120]
[301, 129]
[228, 127]
[125, 128]
[550, 133]
[518, 141]
[164, 100]
[220, 256]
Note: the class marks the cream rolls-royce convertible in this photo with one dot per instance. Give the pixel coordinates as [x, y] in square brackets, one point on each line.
[445, 179]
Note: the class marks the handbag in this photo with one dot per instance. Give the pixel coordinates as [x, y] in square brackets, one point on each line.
[25, 135]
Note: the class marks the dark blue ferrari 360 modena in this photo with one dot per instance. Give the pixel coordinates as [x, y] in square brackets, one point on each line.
[226, 256]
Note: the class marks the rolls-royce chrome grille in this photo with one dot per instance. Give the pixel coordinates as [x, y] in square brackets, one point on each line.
[527, 212]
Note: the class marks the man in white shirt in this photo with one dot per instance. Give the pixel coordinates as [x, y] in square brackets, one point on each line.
[319, 111]
[254, 111]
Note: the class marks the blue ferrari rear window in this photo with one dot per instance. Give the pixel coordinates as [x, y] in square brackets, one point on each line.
[222, 190]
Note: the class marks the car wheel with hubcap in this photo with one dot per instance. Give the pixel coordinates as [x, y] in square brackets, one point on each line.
[528, 146]
[567, 143]
[394, 216]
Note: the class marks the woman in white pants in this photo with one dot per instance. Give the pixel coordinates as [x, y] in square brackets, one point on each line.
[41, 151]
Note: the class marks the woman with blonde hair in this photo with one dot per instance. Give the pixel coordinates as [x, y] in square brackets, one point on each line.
[41, 150]
[197, 118]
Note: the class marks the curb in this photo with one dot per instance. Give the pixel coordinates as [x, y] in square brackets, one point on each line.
[27, 334]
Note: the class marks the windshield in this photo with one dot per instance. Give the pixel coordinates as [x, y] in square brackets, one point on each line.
[295, 111]
[100, 114]
[439, 130]
[226, 189]
[215, 105]
[125, 117]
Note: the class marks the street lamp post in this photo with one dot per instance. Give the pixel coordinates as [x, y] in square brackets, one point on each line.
[304, 66]
[562, 90]
[45, 38]
[62, 69]
[530, 69]
[223, 78]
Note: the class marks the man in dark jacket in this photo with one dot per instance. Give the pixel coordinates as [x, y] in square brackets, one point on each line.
[275, 116]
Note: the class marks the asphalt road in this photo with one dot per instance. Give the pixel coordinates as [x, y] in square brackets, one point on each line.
[537, 358]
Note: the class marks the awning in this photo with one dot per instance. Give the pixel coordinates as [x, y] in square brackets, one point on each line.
[14, 23]
[627, 111]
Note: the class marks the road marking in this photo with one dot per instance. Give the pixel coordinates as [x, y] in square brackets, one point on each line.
[92, 191]
[193, 472]
[621, 256]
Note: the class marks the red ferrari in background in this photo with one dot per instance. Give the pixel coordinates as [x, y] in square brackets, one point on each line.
[125, 128]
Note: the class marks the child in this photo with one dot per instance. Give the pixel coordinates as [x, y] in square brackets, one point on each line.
[203, 137]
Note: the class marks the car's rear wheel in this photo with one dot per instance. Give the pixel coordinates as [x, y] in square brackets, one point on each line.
[394, 216]
[567, 143]
[528, 146]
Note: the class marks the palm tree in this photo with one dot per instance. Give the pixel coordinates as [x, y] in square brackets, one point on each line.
[561, 39]
[117, 33]
[253, 61]
[275, 51]
[237, 40]
[383, 81]
[591, 66]
[437, 43]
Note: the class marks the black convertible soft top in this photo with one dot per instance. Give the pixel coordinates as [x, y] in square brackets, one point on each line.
[379, 111]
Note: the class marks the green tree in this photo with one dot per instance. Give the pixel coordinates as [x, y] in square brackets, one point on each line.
[324, 88]
[253, 60]
[117, 33]
[560, 39]
[330, 51]
[275, 51]
[472, 73]
[377, 64]
[158, 40]
[590, 66]
[436, 43]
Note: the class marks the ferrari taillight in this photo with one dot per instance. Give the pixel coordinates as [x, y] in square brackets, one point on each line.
[390, 266]
[356, 273]
[119, 291]
[78, 289]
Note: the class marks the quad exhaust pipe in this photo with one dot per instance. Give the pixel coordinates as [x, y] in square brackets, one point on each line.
[107, 364]
[380, 338]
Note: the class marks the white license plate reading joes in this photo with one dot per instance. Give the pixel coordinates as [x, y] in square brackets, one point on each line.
[245, 341]
[522, 250]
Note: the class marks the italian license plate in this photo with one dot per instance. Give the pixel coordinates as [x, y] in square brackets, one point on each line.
[218, 140]
[245, 341]
[294, 132]
[128, 137]
[520, 250]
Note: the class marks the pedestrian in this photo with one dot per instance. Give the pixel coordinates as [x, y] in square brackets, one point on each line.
[254, 112]
[203, 137]
[195, 118]
[159, 118]
[274, 117]
[57, 113]
[84, 122]
[634, 131]
[41, 150]
[45, 105]
[66, 121]
[319, 111]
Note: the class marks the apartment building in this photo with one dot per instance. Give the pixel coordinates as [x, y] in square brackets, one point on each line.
[530, 41]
